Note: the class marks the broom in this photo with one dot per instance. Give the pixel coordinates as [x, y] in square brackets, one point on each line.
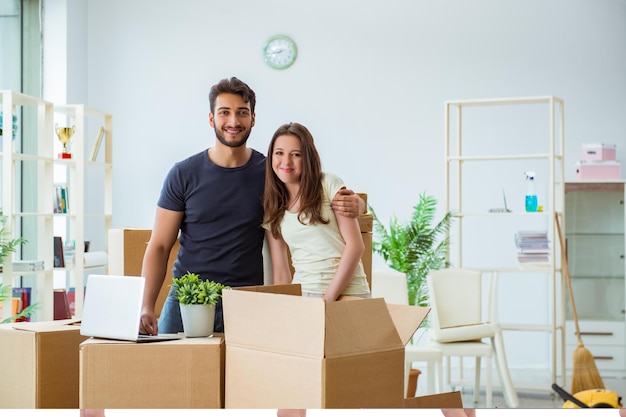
[585, 374]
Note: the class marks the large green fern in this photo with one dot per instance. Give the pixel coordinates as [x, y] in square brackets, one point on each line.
[415, 247]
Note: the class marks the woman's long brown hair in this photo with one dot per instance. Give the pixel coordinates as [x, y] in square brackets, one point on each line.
[276, 196]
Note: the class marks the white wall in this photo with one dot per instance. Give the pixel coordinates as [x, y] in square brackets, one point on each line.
[370, 82]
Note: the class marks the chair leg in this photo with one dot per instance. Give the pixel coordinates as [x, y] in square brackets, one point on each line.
[477, 381]
[439, 368]
[430, 377]
[489, 382]
[510, 394]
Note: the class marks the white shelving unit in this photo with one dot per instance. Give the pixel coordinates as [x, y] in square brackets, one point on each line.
[30, 167]
[89, 186]
[595, 219]
[489, 143]
[27, 167]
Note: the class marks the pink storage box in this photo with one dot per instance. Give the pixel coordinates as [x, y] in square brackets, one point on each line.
[598, 152]
[605, 170]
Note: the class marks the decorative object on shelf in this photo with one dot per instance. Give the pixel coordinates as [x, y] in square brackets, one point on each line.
[65, 136]
[280, 52]
[197, 300]
[14, 119]
[96, 144]
[415, 247]
[598, 162]
[531, 195]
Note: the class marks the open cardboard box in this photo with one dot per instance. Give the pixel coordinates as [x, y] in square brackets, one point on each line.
[287, 351]
[40, 367]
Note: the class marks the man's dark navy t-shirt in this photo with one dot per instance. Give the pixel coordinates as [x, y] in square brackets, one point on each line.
[221, 237]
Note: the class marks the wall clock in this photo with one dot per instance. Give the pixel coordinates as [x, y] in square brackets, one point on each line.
[280, 52]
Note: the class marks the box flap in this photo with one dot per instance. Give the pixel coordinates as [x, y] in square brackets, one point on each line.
[359, 326]
[407, 319]
[444, 400]
[287, 289]
[273, 322]
[47, 326]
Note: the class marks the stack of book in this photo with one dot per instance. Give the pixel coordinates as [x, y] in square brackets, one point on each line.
[533, 247]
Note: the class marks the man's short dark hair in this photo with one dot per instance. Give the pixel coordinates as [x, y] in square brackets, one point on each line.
[232, 86]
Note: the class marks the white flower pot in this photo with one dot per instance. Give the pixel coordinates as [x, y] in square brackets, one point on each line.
[198, 319]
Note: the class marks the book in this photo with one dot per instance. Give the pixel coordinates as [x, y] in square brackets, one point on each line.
[61, 305]
[23, 293]
[96, 144]
[533, 247]
[59, 260]
[60, 199]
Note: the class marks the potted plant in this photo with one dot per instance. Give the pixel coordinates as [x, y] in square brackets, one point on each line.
[415, 247]
[8, 246]
[197, 299]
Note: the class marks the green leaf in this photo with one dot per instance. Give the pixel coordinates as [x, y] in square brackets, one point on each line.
[416, 246]
[191, 289]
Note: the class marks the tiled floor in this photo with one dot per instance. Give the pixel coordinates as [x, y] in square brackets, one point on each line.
[539, 396]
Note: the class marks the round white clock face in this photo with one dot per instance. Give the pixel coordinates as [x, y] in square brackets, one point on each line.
[280, 52]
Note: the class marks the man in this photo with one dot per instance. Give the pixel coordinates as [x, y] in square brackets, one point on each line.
[214, 198]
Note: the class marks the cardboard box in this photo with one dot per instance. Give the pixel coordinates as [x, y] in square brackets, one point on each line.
[606, 170]
[40, 367]
[598, 152]
[287, 351]
[185, 373]
[127, 247]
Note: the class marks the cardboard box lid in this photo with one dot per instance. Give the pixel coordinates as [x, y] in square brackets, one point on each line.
[599, 145]
[266, 318]
[44, 326]
[596, 163]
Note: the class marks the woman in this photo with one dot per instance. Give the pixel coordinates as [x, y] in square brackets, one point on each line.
[325, 250]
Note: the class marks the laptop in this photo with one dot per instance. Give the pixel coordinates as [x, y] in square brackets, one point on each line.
[112, 309]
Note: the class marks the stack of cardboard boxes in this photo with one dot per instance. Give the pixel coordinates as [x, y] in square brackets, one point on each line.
[281, 351]
[598, 162]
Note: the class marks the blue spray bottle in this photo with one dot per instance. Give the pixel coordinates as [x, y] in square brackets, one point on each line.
[531, 196]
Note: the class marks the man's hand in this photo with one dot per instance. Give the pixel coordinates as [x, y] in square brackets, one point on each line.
[348, 203]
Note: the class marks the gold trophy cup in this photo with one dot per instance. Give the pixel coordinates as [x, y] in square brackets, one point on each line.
[65, 135]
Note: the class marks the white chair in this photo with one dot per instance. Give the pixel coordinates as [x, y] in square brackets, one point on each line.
[458, 326]
[391, 285]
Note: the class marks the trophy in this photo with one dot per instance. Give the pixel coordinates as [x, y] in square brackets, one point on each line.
[65, 135]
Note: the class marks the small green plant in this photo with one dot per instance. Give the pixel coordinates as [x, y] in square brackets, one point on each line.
[415, 247]
[190, 289]
[7, 246]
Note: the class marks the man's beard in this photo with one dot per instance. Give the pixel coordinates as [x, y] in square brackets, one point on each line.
[224, 142]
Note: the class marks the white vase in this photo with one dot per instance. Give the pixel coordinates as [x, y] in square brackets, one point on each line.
[198, 319]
